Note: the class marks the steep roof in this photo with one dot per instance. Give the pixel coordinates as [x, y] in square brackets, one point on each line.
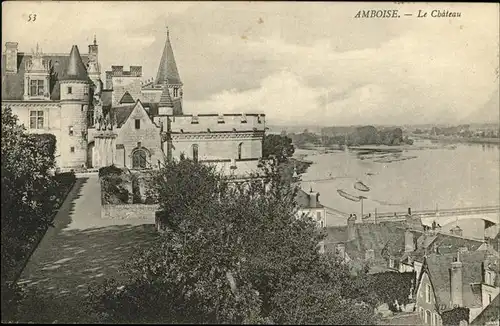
[443, 243]
[122, 113]
[165, 99]
[490, 313]
[76, 68]
[126, 98]
[303, 200]
[439, 266]
[167, 69]
[13, 83]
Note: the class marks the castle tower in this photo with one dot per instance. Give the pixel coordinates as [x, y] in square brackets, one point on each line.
[168, 74]
[74, 90]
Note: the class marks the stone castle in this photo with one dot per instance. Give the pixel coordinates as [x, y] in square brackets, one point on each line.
[126, 122]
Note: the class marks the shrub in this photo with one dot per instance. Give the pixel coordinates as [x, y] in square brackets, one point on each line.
[110, 170]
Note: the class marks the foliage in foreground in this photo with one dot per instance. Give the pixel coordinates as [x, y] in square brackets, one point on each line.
[30, 196]
[232, 255]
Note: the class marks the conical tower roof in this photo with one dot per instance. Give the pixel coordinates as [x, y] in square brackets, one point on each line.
[167, 70]
[76, 69]
[165, 99]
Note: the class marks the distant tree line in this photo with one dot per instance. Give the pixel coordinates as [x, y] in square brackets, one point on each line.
[351, 136]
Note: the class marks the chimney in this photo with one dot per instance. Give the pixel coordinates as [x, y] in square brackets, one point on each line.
[409, 242]
[313, 197]
[351, 228]
[409, 211]
[11, 57]
[456, 283]
[456, 231]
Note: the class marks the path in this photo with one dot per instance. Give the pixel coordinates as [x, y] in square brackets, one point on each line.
[81, 247]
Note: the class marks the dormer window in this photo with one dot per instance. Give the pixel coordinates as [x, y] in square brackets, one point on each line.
[259, 120]
[86, 90]
[37, 87]
[194, 119]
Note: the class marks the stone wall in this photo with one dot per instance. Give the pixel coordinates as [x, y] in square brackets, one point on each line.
[129, 211]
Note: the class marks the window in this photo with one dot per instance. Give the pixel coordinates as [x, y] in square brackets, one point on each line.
[421, 311]
[195, 152]
[36, 87]
[427, 293]
[71, 130]
[435, 320]
[318, 216]
[72, 149]
[427, 317]
[220, 119]
[489, 298]
[391, 263]
[258, 119]
[139, 159]
[243, 118]
[36, 119]
[240, 145]
[137, 123]
[86, 90]
[70, 90]
[176, 92]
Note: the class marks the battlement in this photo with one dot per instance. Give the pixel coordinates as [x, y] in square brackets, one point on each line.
[117, 71]
[214, 122]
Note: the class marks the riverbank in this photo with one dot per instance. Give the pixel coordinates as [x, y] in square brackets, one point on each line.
[464, 140]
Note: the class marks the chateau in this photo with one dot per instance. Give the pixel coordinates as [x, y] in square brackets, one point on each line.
[123, 121]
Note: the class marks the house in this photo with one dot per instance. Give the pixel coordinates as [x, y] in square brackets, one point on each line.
[462, 279]
[309, 205]
[126, 121]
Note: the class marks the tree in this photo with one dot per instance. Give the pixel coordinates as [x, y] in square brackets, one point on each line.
[232, 254]
[277, 145]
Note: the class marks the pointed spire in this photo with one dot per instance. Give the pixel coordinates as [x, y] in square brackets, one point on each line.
[167, 69]
[95, 40]
[76, 69]
[165, 100]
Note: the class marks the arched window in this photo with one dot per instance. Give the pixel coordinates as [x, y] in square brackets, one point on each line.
[139, 159]
[240, 145]
[195, 152]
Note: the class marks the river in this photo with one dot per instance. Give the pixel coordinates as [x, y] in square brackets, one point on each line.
[427, 177]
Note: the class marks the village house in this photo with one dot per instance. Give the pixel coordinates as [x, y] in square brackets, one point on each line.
[463, 279]
[309, 205]
[126, 122]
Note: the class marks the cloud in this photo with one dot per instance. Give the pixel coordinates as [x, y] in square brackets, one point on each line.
[297, 62]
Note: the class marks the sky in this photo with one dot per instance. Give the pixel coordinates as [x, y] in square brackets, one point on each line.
[300, 63]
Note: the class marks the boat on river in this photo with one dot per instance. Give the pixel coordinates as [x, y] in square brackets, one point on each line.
[361, 186]
[348, 196]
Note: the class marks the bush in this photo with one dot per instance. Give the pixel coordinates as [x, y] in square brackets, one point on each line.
[110, 170]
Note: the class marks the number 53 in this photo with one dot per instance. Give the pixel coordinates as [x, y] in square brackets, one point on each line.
[31, 17]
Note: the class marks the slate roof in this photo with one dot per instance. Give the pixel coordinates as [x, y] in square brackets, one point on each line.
[76, 69]
[122, 113]
[13, 83]
[385, 239]
[439, 266]
[167, 69]
[303, 200]
[126, 98]
[443, 243]
[165, 99]
[152, 108]
[490, 313]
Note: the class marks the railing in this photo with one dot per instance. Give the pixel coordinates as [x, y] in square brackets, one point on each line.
[394, 216]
